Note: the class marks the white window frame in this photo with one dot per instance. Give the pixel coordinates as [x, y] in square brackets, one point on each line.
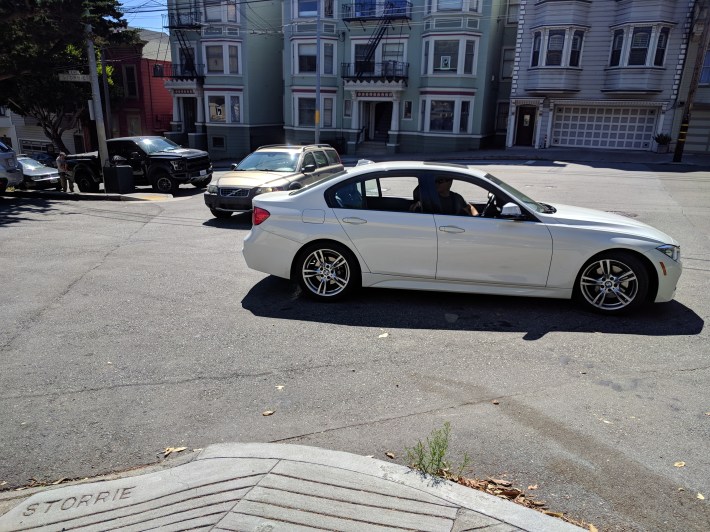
[512, 12]
[428, 63]
[425, 103]
[227, 111]
[296, 65]
[377, 58]
[566, 47]
[444, 6]
[320, 4]
[323, 98]
[628, 30]
[223, 8]
[225, 57]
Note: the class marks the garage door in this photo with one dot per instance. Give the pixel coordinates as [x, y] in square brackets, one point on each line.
[698, 138]
[604, 127]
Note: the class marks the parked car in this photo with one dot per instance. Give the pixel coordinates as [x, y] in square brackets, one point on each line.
[384, 225]
[10, 175]
[37, 175]
[156, 161]
[270, 168]
[45, 158]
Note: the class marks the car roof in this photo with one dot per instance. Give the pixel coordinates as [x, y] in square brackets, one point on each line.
[416, 165]
[293, 147]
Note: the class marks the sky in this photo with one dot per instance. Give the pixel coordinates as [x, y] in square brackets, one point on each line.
[147, 14]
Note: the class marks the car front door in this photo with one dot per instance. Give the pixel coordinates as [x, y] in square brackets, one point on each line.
[374, 213]
[488, 249]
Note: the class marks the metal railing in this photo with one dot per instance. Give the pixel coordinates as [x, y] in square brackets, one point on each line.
[373, 9]
[179, 71]
[386, 70]
[184, 19]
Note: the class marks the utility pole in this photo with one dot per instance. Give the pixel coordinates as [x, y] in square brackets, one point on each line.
[104, 79]
[318, 8]
[96, 95]
[697, 69]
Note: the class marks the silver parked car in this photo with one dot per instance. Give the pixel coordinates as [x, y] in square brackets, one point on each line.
[37, 175]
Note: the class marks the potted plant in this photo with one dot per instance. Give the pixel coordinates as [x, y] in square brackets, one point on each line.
[663, 140]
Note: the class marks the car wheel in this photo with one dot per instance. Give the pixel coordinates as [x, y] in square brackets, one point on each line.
[164, 184]
[327, 271]
[220, 214]
[613, 283]
[3, 187]
[85, 182]
[203, 183]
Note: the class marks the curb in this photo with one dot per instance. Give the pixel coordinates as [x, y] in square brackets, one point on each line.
[89, 196]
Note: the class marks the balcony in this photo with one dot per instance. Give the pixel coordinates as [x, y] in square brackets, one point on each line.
[553, 80]
[376, 10]
[179, 72]
[393, 71]
[185, 20]
[634, 80]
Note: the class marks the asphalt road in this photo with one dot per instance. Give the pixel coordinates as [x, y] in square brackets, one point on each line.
[129, 327]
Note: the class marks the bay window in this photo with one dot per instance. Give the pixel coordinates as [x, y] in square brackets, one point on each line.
[221, 11]
[446, 114]
[309, 8]
[452, 6]
[305, 58]
[639, 46]
[222, 58]
[557, 47]
[305, 108]
[224, 108]
[215, 59]
[449, 56]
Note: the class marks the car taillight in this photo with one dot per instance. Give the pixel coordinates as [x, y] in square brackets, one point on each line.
[258, 215]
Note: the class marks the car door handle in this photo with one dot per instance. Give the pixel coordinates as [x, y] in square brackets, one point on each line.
[354, 221]
[451, 229]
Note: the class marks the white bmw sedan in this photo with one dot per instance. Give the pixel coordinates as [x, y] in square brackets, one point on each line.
[445, 227]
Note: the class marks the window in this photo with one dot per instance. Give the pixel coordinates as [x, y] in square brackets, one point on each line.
[463, 120]
[130, 82]
[236, 107]
[705, 73]
[639, 46]
[347, 108]
[450, 56]
[327, 117]
[221, 11]
[441, 117]
[513, 11]
[557, 47]
[306, 58]
[306, 112]
[362, 66]
[218, 142]
[446, 114]
[233, 60]
[452, 6]
[215, 60]
[307, 8]
[328, 51]
[507, 63]
[215, 105]
[407, 112]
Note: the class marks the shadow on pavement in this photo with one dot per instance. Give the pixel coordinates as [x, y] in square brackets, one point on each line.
[14, 210]
[409, 309]
[236, 221]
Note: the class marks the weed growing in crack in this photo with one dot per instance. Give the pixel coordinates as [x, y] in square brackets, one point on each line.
[431, 458]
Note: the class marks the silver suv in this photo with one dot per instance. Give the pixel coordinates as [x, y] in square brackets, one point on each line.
[270, 168]
[10, 175]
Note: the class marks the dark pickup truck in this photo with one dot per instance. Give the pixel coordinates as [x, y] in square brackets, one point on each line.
[156, 161]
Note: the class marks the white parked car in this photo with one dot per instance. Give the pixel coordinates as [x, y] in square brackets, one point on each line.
[429, 226]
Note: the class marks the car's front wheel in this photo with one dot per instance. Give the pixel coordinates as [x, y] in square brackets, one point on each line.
[164, 184]
[327, 271]
[613, 283]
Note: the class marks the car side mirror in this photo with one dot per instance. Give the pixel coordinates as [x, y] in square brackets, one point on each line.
[309, 168]
[295, 186]
[511, 210]
[135, 156]
[234, 166]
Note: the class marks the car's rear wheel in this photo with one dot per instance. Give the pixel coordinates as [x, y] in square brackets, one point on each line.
[615, 282]
[220, 214]
[85, 182]
[164, 184]
[327, 271]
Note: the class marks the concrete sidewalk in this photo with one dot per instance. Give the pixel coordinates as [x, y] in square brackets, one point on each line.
[257, 486]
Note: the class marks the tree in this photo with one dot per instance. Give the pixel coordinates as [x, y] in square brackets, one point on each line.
[40, 39]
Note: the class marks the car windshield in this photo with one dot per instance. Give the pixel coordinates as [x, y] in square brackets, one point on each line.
[152, 145]
[269, 161]
[30, 164]
[4, 149]
[531, 203]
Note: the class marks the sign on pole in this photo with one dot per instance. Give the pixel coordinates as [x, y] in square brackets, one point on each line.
[75, 77]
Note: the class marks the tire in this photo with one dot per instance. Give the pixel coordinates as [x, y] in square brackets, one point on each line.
[85, 182]
[164, 184]
[615, 282]
[327, 271]
[203, 183]
[3, 188]
[220, 214]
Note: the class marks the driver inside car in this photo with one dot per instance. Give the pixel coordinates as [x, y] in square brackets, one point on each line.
[451, 202]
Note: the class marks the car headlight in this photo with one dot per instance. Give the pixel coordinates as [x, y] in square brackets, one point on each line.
[671, 251]
[178, 165]
[264, 190]
[212, 188]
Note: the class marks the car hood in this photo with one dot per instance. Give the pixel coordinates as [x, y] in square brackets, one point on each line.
[592, 218]
[250, 179]
[180, 152]
[41, 172]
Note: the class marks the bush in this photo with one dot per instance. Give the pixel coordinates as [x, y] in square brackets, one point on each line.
[662, 139]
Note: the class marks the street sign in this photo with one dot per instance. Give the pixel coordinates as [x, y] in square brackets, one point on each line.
[74, 77]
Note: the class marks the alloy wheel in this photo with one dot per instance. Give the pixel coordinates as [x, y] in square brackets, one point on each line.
[326, 272]
[609, 284]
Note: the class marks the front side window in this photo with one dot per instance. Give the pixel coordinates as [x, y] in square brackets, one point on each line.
[306, 112]
[216, 108]
[215, 60]
[550, 47]
[639, 46]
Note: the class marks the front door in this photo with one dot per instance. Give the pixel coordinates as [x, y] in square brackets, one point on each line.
[189, 114]
[383, 121]
[525, 128]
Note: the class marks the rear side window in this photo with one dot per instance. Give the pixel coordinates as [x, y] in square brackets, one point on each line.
[333, 157]
[321, 159]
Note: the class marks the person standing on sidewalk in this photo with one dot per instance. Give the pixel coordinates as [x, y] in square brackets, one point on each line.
[64, 175]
